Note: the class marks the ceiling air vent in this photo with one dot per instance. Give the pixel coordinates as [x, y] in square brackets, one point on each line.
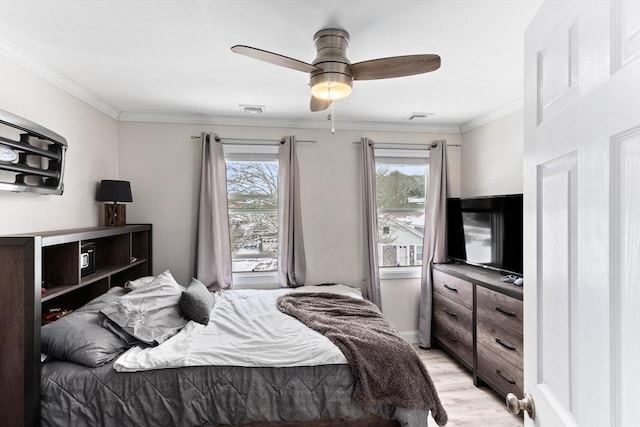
[416, 117]
[253, 109]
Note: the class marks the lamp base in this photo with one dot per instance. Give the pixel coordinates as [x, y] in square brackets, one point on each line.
[115, 215]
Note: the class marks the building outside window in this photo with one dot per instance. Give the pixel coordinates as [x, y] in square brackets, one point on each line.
[252, 191]
[401, 185]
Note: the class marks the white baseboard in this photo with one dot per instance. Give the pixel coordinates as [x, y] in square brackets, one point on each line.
[410, 336]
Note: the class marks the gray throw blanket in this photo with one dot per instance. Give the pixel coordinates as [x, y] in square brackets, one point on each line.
[386, 368]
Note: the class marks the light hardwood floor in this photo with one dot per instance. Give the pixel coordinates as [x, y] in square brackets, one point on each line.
[466, 404]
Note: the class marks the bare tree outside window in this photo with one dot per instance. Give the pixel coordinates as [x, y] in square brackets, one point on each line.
[252, 188]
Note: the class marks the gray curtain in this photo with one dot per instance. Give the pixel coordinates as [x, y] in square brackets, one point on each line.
[213, 247]
[434, 235]
[292, 267]
[371, 289]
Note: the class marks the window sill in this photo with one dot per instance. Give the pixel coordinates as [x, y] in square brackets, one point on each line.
[400, 272]
[256, 280]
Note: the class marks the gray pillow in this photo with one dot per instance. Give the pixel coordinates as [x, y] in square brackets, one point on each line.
[149, 313]
[196, 302]
[79, 338]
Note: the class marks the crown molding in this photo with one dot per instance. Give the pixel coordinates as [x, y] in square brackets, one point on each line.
[283, 123]
[492, 115]
[22, 58]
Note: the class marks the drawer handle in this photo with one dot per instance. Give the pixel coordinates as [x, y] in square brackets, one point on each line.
[503, 311]
[450, 313]
[501, 375]
[451, 288]
[505, 345]
[450, 338]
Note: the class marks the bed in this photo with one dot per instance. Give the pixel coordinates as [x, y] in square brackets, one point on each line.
[262, 367]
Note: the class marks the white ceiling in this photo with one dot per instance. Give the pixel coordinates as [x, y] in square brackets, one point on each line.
[172, 59]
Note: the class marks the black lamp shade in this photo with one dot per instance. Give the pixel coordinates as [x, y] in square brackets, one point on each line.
[114, 191]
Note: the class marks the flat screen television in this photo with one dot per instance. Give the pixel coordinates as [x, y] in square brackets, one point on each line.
[486, 231]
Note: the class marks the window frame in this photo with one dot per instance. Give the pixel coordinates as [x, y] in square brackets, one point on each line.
[266, 279]
[410, 155]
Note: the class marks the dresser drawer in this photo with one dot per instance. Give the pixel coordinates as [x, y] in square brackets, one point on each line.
[452, 314]
[453, 327]
[499, 308]
[453, 288]
[503, 375]
[459, 343]
[501, 341]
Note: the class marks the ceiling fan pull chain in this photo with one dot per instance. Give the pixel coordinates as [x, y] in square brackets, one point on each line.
[333, 115]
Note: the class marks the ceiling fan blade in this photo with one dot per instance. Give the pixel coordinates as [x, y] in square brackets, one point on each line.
[274, 58]
[395, 66]
[318, 104]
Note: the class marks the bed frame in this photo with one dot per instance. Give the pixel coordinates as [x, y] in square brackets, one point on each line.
[370, 421]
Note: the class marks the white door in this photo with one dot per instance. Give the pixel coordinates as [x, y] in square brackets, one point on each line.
[582, 214]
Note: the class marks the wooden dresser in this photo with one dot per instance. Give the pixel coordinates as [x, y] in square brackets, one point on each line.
[477, 318]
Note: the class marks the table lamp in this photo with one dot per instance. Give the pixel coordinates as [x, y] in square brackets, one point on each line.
[114, 191]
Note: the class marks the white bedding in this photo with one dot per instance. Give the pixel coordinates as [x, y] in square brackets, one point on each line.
[246, 329]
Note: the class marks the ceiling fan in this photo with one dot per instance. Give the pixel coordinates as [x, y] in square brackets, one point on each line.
[332, 74]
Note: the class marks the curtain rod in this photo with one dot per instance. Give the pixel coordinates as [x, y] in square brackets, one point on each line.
[251, 141]
[400, 145]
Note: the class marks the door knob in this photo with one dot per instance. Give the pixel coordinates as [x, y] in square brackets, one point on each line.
[516, 405]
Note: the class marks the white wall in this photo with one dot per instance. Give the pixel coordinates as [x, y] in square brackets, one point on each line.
[401, 304]
[162, 163]
[92, 154]
[492, 157]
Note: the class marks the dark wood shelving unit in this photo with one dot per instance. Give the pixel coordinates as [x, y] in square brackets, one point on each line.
[52, 259]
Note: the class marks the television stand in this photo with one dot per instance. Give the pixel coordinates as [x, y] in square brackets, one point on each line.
[477, 318]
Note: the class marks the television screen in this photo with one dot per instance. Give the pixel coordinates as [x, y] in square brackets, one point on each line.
[486, 231]
[477, 236]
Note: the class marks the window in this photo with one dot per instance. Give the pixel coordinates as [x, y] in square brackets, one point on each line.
[252, 191]
[401, 183]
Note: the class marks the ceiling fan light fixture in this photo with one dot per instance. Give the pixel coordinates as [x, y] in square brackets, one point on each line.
[331, 91]
[331, 86]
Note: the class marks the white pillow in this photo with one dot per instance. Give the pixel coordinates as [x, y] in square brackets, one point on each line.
[150, 313]
[138, 283]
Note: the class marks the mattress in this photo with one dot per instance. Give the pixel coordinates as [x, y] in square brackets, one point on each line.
[75, 395]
